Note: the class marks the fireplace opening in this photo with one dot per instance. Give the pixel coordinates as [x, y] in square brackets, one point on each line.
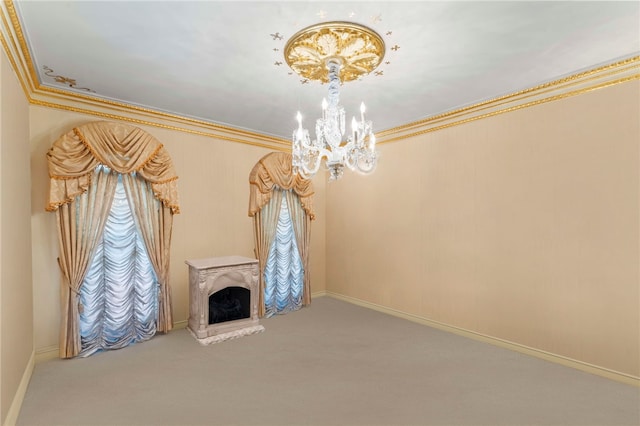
[229, 304]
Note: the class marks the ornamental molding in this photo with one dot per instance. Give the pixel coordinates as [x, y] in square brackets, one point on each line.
[359, 50]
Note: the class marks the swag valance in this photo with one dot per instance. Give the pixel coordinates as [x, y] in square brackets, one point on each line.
[75, 155]
[275, 169]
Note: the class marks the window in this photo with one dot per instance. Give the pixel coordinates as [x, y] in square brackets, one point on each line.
[119, 293]
[283, 273]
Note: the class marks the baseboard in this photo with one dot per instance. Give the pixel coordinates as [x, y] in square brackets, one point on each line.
[46, 353]
[548, 356]
[178, 325]
[318, 294]
[16, 404]
[51, 352]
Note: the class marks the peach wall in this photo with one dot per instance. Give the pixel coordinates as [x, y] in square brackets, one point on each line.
[16, 305]
[214, 194]
[523, 227]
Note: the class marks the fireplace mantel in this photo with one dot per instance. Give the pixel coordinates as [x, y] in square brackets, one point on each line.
[210, 275]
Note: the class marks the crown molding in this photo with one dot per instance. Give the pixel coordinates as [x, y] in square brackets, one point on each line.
[604, 76]
[10, 36]
[15, 46]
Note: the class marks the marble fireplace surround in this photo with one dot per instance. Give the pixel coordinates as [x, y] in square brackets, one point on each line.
[210, 275]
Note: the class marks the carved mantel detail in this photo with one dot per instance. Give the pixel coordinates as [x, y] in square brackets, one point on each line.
[208, 276]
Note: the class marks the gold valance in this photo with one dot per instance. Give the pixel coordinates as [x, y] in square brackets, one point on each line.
[121, 147]
[275, 169]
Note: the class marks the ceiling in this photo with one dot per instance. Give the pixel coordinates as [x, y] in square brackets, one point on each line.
[217, 61]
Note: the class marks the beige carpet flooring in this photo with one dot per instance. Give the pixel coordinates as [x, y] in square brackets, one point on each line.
[331, 363]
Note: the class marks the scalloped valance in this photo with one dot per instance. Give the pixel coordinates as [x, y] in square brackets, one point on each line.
[74, 156]
[275, 169]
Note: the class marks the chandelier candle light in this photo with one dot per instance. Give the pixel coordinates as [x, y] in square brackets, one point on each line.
[334, 52]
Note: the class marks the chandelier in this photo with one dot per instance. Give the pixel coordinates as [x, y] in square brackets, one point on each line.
[334, 52]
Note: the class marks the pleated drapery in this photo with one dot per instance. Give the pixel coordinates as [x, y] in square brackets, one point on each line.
[276, 169]
[264, 235]
[270, 179]
[73, 159]
[155, 224]
[122, 148]
[119, 293]
[283, 273]
[80, 226]
[302, 228]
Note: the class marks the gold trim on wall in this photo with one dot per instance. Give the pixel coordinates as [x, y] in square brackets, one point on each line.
[91, 102]
[156, 124]
[22, 43]
[564, 95]
[628, 65]
[506, 99]
[36, 94]
[8, 50]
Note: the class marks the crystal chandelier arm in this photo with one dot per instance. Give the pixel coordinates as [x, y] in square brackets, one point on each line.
[363, 161]
[306, 155]
[307, 171]
[362, 155]
[366, 162]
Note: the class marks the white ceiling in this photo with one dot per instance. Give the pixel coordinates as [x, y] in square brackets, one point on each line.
[216, 60]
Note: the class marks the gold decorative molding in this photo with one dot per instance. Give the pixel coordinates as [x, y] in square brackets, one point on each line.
[203, 129]
[15, 46]
[10, 36]
[360, 50]
[428, 129]
[605, 76]
[21, 49]
[71, 82]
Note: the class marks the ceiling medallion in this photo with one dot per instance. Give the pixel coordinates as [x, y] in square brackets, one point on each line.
[359, 50]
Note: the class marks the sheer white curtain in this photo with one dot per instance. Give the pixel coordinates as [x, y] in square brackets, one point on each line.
[284, 272]
[119, 293]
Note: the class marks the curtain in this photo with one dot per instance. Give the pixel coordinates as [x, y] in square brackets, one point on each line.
[302, 228]
[123, 148]
[269, 179]
[264, 233]
[155, 222]
[275, 170]
[81, 210]
[120, 290]
[80, 226]
[283, 273]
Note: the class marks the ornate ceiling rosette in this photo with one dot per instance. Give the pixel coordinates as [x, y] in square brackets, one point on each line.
[359, 49]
